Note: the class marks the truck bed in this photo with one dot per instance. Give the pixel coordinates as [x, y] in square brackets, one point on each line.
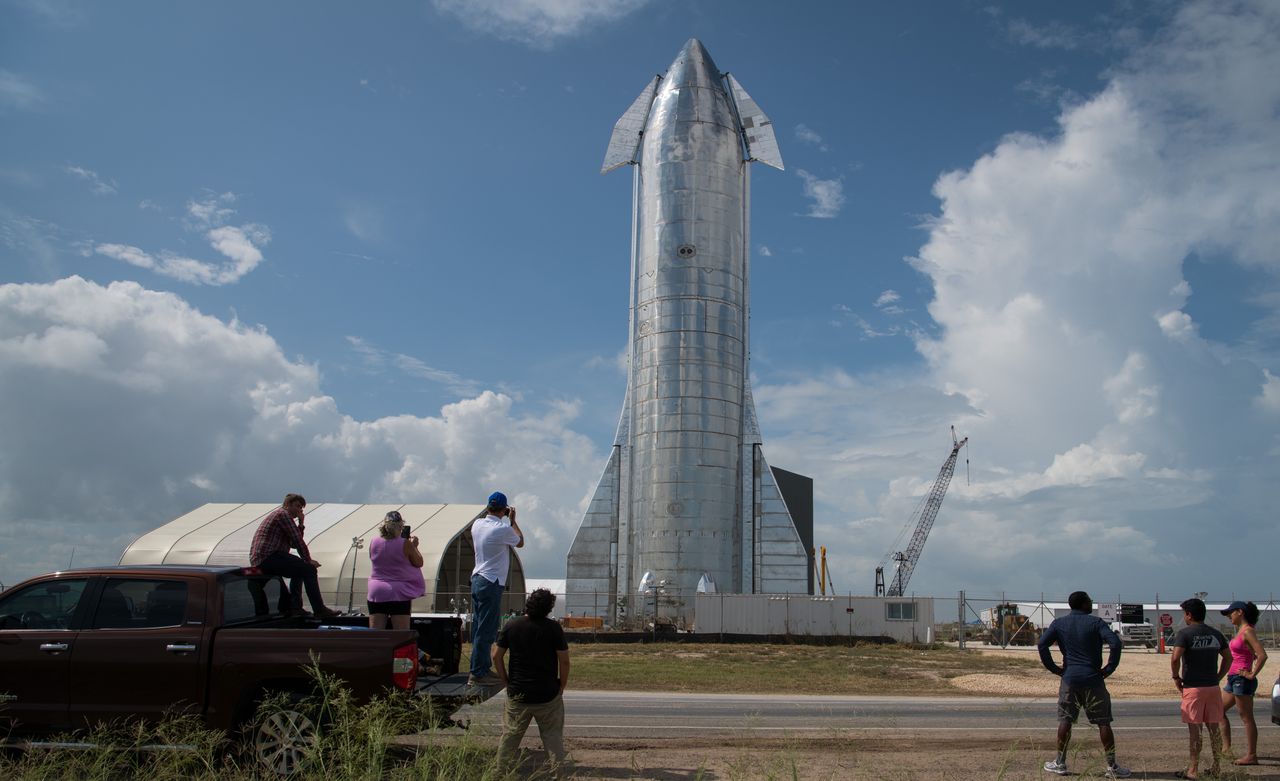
[453, 688]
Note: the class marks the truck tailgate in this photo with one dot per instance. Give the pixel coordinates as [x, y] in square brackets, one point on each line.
[454, 688]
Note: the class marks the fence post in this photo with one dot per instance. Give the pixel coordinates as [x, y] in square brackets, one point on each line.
[960, 628]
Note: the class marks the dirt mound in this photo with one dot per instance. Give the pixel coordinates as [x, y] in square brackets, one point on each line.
[1142, 674]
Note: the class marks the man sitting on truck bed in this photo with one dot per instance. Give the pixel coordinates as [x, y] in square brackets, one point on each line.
[270, 553]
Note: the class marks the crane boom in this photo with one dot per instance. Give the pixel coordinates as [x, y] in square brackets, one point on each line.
[906, 561]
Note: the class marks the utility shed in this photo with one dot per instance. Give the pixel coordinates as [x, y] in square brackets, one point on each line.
[905, 619]
[220, 534]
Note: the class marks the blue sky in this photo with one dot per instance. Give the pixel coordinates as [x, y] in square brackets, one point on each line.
[364, 252]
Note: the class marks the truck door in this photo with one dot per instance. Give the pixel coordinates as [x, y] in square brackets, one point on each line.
[141, 653]
[37, 637]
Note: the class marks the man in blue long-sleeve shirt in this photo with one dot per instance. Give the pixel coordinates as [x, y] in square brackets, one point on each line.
[1080, 636]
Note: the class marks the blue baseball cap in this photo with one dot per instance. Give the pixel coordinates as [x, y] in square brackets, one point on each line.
[1234, 606]
[498, 500]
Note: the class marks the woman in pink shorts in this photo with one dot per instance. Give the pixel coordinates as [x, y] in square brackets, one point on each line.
[1247, 658]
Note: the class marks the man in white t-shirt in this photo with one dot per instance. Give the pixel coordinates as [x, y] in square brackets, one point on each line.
[492, 538]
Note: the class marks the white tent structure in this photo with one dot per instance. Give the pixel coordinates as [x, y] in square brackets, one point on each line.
[220, 534]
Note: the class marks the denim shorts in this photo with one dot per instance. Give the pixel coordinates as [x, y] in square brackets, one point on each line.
[1241, 686]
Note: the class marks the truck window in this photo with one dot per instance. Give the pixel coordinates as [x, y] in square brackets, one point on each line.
[129, 603]
[48, 605]
[246, 598]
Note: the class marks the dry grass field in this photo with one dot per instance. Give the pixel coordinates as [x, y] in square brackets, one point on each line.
[861, 669]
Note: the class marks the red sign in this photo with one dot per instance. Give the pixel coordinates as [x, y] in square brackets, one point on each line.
[1166, 619]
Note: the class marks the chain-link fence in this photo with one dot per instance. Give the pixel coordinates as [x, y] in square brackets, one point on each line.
[668, 613]
[1019, 621]
[664, 609]
[966, 619]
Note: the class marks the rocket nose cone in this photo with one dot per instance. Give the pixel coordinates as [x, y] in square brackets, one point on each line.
[694, 46]
[693, 66]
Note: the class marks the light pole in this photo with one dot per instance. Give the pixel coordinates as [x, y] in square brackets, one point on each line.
[356, 544]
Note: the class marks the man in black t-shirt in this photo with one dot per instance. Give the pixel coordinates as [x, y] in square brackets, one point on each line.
[1200, 660]
[536, 678]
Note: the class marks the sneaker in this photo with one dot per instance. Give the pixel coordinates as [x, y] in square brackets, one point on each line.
[1056, 767]
[1115, 771]
[327, 613]
[484, 680]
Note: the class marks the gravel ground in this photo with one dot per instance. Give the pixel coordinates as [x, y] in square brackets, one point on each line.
[1142, 674]
[905, 758]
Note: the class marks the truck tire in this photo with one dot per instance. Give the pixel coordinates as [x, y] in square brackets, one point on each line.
[279, 742]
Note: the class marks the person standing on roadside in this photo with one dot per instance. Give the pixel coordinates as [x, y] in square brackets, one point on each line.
[1200, 660]
[1080, 636]
[1247, 659]
[492, 537]
[536, 678]
[269, 552]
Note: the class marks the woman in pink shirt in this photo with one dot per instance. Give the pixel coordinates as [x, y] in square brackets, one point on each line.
[1247, 658]
[396, 579]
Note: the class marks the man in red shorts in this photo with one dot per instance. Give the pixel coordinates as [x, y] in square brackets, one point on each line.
[1200, 660]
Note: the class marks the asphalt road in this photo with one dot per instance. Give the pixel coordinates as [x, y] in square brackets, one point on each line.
[661, 715]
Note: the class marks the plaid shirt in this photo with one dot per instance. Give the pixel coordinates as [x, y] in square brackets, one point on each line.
[277, 534]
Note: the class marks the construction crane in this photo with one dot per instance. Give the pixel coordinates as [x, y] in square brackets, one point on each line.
[927, 512]
[824, 577]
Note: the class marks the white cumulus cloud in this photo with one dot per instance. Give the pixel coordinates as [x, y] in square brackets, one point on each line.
[18, 92]
[807, 135]
[241, 246]
[126, 407]
[827, 195]
[537, 23]
[97, 184]
[377, 361]
[1098, 408]
[1177, 324]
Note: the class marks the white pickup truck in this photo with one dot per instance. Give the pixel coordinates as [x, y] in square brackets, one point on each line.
[1129, 623]
[1136, 634]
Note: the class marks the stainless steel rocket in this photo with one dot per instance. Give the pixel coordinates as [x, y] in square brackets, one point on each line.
[686, 495]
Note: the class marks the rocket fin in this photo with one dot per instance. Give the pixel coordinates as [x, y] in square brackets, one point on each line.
[624, 144]
[772, 544]
[591, 558]
[782, 564]
[757, 128]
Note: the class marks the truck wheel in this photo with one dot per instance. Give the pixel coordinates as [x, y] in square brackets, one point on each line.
[281, 741]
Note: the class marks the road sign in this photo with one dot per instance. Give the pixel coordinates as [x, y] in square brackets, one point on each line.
[1166, 619]
[1132, 613]
[1107, 611]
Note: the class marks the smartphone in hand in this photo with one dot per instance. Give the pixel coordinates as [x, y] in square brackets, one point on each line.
[404, 531]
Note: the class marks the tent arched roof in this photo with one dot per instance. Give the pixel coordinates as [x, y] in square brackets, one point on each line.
[220, 534]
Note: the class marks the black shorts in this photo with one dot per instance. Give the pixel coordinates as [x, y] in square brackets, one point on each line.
[400, 608]
[1094, 700]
